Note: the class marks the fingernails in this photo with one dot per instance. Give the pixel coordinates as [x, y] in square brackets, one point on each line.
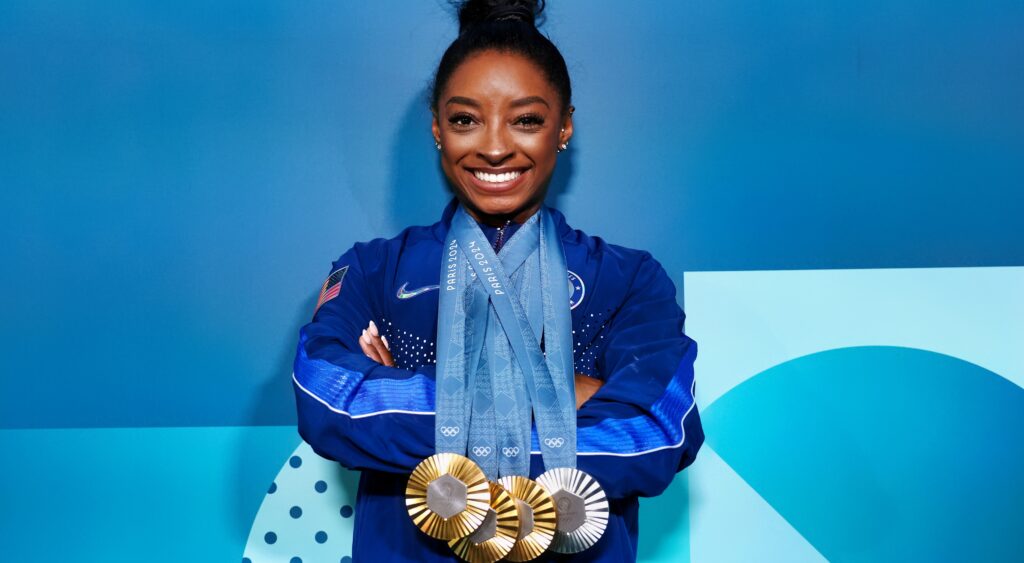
[385, 339]
[373, 329]
[365, 338]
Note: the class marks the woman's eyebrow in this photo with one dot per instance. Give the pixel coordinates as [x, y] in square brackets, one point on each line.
[529, 100]
[462, 100]
[515, 103]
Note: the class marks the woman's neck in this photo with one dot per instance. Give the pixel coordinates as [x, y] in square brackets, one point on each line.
[502, 219]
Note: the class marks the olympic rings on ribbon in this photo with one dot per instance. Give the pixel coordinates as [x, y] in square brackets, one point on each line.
[449, 431]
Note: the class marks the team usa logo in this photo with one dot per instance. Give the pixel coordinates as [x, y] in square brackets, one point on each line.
[576, 290]
[331, 288]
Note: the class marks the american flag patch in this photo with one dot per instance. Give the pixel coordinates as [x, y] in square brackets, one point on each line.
[331, 287]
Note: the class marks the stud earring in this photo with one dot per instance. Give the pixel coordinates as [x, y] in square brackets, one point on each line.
[563, 146]
[437, 144]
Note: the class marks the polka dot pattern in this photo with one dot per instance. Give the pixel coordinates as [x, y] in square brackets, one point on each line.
[306, 513]
[408, 350]
[588, 341]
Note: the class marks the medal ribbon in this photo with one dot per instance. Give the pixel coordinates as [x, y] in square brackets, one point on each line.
[489, 346]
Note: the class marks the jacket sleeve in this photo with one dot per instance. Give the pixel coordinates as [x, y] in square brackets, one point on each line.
[350, 408]
[642, 425]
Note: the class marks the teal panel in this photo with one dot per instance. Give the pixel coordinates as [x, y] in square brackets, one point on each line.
[882, 453]
[135, 494]
[665, 525]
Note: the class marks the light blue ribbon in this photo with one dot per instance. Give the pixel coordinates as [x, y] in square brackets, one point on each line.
[494, 312]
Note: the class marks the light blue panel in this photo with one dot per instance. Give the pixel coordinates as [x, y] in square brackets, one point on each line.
[732, 523]
[135, 494]
[774, 316]
[875, 453]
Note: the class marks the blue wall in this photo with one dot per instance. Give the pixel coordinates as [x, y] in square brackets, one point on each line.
[176, 179]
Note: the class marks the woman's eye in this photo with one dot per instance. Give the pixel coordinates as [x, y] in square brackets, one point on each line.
[461, 120]
[530, 121]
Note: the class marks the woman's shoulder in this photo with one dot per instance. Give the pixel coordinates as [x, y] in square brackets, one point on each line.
[374, 254]
[597, 249]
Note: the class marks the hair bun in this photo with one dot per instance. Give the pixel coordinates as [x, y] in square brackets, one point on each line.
[476, 12]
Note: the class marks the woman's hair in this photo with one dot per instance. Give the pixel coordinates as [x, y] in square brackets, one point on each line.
[506, 26]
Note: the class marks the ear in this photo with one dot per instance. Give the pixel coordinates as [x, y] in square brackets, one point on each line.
[435, 129]
[566, 133]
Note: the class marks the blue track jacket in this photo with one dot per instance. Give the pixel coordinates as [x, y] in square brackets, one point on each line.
[634, 434]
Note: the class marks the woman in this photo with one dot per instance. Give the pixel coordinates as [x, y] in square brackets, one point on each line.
[365, 373]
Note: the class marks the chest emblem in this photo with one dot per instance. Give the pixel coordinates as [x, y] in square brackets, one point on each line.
[576, 290]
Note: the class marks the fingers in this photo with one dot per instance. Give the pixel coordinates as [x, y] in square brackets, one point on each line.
[375, 345]
[366, 344]
[380, 344]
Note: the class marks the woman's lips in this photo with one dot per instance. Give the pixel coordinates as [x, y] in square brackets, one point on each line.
[497, 181]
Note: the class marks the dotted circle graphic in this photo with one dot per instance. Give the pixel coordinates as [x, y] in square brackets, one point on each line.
[307, 513]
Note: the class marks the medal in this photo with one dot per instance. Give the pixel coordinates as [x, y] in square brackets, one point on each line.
[537, 518]
[447, 496]
[497, 534]
[581, 506]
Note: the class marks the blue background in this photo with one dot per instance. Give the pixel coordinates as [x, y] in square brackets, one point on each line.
[176, 179]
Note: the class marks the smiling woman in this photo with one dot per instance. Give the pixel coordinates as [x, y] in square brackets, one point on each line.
[500, 126]
[510, 383]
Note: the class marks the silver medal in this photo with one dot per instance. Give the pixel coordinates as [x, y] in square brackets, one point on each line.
[581, 506]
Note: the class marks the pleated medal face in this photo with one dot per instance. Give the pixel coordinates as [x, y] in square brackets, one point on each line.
[537, 519]
[496, 536]
[581, 506]
[447, 496]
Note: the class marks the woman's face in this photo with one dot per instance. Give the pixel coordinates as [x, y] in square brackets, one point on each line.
[499, 123]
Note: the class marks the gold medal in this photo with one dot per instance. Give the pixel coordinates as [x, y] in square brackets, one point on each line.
[537, 518]
[447, 496]
[581, 506]
[497, 534]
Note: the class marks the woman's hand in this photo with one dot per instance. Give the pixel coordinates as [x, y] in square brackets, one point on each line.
[375, 346]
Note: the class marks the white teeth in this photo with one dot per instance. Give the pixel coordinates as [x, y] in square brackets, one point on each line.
[496, 178]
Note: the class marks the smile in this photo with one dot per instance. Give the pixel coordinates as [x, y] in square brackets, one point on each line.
[498, 181]
[496, 178]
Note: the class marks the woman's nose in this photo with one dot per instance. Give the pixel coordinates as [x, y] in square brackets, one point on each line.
[497, 145]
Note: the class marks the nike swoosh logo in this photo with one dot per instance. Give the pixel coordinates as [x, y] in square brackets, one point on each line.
[403, 294]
